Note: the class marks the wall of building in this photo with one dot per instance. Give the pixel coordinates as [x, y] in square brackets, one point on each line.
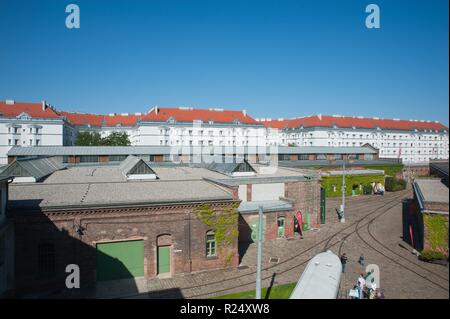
[305, 197]
[6, 245]
[187, 239]
[410, 146]
[271, 225]
[50, 132]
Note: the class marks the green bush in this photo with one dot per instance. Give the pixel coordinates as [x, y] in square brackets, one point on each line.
[429, 255]
[393, 184]
[367, 189]
[400, 185]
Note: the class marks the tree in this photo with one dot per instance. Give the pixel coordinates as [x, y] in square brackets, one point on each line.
[95, 139]
[116, 139]
[88, 139]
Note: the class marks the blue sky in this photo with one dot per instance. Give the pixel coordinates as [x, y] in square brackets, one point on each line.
[274, 58]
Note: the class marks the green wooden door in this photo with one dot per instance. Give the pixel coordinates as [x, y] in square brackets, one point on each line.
[163, 259]
[322, 206]
[254, 224]
[281, 226]
[120, 260]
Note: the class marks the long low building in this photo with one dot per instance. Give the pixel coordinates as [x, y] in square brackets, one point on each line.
[186, 154]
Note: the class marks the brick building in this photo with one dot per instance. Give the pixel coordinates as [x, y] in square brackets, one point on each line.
[425, 216]
[116, 226]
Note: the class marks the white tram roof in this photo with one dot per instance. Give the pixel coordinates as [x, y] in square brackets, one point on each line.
[320, 279]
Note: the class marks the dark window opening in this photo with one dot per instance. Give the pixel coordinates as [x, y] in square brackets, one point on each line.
[46, 259]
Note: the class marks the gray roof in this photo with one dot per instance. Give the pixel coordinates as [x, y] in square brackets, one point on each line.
[66, 195]
[33, 167]
[441, 167]
[259, 180]
[230, 168]
[431, 190]
[267, 205]
[128, 164]
[326, 163]
[353, 172]
[325, 150]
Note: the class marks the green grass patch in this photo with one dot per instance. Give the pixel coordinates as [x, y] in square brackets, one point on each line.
[276, 292]
[436, 231]
[355, 184]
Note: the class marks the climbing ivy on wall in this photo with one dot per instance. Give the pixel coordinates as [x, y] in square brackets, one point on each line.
[224, 223]
[436, 232]
[333, 184]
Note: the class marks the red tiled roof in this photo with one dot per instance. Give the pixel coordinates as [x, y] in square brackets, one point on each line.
[83, 118]
[189, 115]
[123, 120]
[34, 110]
[348, 122]
[101, 120]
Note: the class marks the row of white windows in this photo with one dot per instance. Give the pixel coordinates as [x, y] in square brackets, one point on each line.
[17, 142]
[209, 143]
[368, 136]
[202, 133]
[32, 130]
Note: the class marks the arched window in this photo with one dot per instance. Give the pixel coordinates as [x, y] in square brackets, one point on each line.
[210, 244]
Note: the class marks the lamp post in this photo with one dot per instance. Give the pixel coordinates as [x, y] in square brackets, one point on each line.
[343, 193]
[259, 257]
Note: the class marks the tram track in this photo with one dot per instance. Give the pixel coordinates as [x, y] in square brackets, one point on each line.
[402, 257]
[297, 259]
[300, 254]
[402, 265]
[367, 225]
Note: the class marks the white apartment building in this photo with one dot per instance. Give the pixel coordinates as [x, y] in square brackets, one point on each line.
[412, 141]
[185, 126]
[31, 124]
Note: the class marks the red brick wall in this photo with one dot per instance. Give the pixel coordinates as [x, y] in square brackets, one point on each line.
[271, 230]
[249, 192]
[73, 159]
[298, 193]
[187, 235]
[103, 158]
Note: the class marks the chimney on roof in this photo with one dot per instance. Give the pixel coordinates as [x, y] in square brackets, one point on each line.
[244, 111]
[9, 102]
[320, 116]
[156, 110]
[44, 105]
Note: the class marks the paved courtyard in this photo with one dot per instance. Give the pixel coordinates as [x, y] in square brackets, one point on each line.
[372, 227]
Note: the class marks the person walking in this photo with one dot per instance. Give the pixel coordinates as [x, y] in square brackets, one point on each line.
[361, 260]
[361, 285]
[344, 262]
